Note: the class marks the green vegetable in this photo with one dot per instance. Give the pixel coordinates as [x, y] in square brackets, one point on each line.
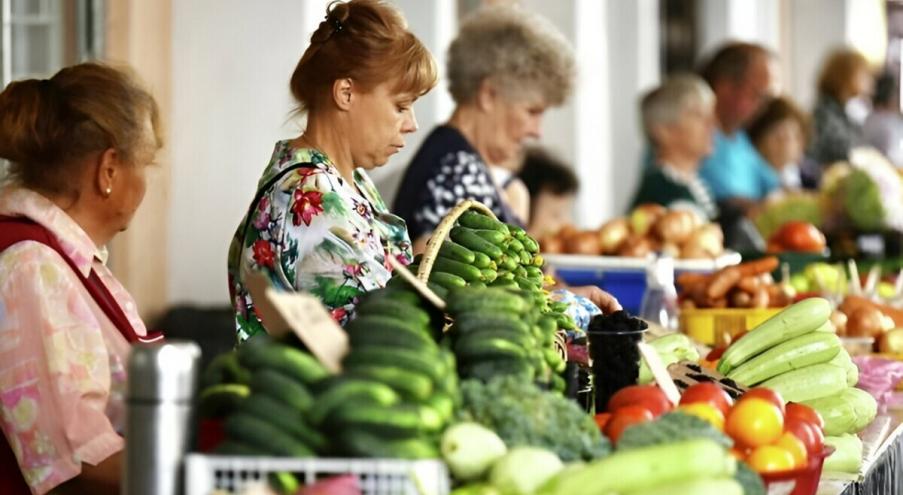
[409, 313]
[453, 250]
[477, 220]
[408, 383]
[796, 353]
[225, 368]
[847, 456]
[798, 319]
[469, 239]
[524, 469]
[470, 450]
[466, 271]
[262, 352]
[363, 442]
[668, 428]
[280, 415]
[448, 280]
[351, 391]
[218, 401]
[844, 361]
[849, 411]
[524, 415]
[671, 348]
[282, 388]
[398, 421]
[262, 435]
[646, 468]
[811, 382]
[720, 486]
[750, 480]
[862, 201]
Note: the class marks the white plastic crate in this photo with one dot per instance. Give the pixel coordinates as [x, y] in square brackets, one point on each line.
[206, 473]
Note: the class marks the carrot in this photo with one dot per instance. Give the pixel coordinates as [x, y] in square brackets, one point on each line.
[749, 284]
[759, 267]
[686, 280]
[723, 281]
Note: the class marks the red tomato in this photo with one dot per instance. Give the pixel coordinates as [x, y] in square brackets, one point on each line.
[805, 413]
[624, 417]
[766, 394]
[811, 435]
[649, 397]
[601, 420]
[708, 393]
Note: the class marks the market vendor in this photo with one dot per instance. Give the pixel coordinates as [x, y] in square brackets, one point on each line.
[505, 68]
[317, 223]
[679, 121]
[79, 146]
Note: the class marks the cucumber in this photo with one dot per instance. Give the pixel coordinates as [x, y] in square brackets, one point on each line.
[283, 417]
[534, 272]
[283, 482]
[424, 363]
[480, 260]
[516, 245]
[492, 236]
[363, 443]
[525, 284]
[454, 251]
[487, 301]
[413, 334]
[476, 220]
[554, 360]
[217, 401]
[440, 291]
[261, 352]
[520, 271]
[648, 467]
[474, 347]
[386, 337]
[404, 296]
[509, 262]
[469, 273]
[523, 340]
[530, 245]
[351, 391]
[486, 370]
[283, 389]
[525, 258]
[478, 285]
[538, 260]
[447, 280]
[504, 283]
[394, 309]
[488, 275]
[261, 434]
[479, 322]
[805, 350]
[808, 383]
[469, 239]
[407, 383]
[399, 421]
[443, 404]
[798, 319]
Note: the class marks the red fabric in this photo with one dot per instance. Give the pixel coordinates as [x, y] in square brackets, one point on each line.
[17, 229]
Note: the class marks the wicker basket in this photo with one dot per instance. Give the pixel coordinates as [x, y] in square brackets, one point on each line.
[441, 234]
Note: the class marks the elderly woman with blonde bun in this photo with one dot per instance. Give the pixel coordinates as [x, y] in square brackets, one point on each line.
[79, 144]
[317, 222]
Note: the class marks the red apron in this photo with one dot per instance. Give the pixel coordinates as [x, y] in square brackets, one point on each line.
[17, 229]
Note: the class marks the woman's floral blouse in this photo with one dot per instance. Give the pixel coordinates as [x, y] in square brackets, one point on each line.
[313, 231]
[62, 361]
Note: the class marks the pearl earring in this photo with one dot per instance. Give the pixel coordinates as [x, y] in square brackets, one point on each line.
[108, 191]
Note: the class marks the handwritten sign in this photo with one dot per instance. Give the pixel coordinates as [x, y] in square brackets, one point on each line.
[303, 314]
[418, 284]
[659, 372]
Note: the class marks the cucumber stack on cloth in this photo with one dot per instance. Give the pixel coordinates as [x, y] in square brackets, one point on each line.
[797, 354]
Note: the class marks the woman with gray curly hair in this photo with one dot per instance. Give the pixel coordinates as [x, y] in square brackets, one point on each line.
[505, 68]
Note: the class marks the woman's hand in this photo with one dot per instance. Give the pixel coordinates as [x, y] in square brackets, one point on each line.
[605, 301]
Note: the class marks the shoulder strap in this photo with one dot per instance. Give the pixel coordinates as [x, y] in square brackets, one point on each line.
[17, 229]
[263, 190]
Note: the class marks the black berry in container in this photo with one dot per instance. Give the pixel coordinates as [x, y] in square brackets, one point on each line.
[615, 357]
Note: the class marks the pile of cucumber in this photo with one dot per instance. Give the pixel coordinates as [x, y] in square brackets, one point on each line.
[398, 389]
[797, 354]
[500, 331]
[273, 419]
[481, 251]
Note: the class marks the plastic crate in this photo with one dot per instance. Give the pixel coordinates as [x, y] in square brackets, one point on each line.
[803, 481]
[710, 326]
[206, 473]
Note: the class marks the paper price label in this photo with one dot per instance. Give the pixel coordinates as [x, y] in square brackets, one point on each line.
[303, 314]
[659, 372]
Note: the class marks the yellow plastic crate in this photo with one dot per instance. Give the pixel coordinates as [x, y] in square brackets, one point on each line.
[715, 326]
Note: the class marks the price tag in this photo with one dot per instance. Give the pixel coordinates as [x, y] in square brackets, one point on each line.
[659, 372]
[303, 314]
[418, 284]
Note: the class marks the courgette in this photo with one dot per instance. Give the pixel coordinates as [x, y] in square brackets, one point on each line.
[811, 382]
[799, 319]
[805, 350]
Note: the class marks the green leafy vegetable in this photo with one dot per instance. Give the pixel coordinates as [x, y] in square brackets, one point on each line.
[670, 428]
[524, 415]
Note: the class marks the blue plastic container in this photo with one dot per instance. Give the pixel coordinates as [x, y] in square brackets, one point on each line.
[627, 287]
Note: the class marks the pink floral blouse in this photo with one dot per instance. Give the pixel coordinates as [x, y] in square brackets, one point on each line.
[62, 362]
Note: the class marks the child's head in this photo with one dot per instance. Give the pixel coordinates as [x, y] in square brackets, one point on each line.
[679, 118]
[552, 186]
[779, 133]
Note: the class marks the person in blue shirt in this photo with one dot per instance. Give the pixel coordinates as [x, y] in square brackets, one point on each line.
[741, 76]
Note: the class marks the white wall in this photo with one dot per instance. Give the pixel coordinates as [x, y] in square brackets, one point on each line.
[232, 60]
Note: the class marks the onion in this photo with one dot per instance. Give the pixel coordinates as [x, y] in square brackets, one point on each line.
[675, 226]
[636, 247]
[891, 342]
[865, 322]
[584, 242]
[551, 244]
[613, 234]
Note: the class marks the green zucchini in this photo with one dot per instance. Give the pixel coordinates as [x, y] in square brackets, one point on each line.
[811, 348]
[808, 383]
[798, 319]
